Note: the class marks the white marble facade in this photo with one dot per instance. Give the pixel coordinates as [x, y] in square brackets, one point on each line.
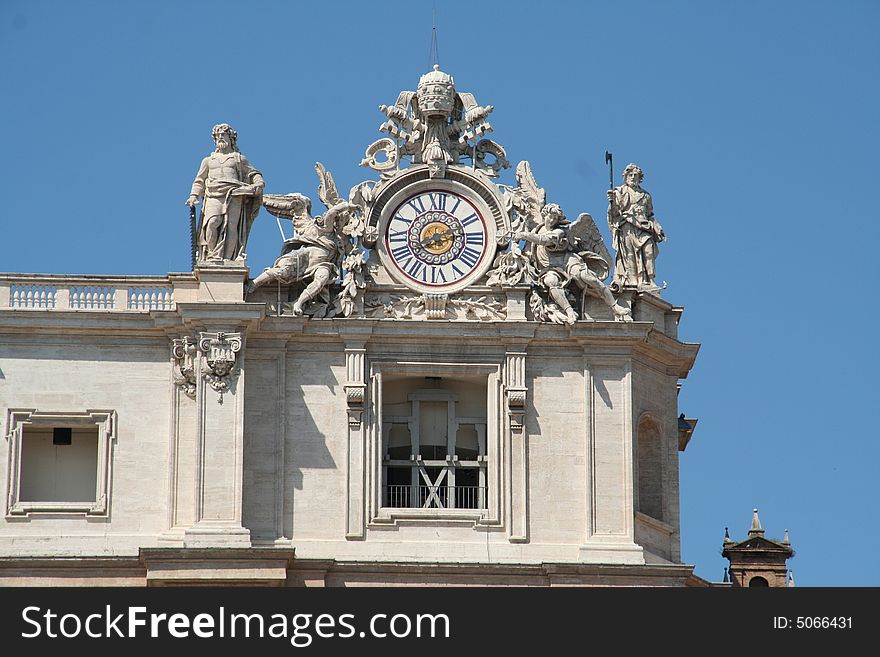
[506, 419]
[292, 459]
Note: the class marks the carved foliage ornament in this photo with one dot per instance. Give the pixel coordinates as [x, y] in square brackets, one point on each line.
[434, 306]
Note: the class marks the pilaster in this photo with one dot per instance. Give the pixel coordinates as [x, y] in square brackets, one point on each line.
[515, 397]
[610, 533]
[219, 443]
[355, 397]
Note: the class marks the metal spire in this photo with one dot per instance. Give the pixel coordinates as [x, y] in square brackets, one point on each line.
[435, 50]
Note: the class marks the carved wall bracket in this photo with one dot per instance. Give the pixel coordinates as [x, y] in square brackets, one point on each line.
[516, 390]
[183, 353]
[219, 352]
[355, 385]
[354, 398]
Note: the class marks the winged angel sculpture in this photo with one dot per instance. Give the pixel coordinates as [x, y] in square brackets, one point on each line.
[557, 254]
[321, 249]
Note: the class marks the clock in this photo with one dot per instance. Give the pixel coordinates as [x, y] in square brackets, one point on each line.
[437, 236]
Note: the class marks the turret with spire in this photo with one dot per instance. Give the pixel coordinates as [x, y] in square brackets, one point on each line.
[757, 560]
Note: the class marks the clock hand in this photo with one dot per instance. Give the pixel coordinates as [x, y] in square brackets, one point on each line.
[436, 238]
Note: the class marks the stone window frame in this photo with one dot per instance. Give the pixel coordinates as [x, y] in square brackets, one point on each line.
[491, 516]
[18, 418]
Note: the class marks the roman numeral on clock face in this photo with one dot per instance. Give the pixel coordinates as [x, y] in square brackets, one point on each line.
[417, 204]
[438, 201]
[415, 268]
[471, 218]
[469, 256]
[400, 252]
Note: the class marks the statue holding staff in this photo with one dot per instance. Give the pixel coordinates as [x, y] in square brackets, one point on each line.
[635, 232]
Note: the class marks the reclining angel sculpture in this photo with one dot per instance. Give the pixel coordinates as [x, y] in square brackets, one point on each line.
[560, 253]
[321, 247]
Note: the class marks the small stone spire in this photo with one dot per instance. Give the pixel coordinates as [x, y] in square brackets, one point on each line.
[785, 539]
[726, 579]
[727, 537]
[790, 582]
[756, 529]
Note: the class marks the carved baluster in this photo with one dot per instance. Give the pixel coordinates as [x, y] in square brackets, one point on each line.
[29, 301]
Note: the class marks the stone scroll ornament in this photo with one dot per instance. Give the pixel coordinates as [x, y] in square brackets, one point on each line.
[554, 255]
[324, 257]
[219, 351]
[438, 126]
[184, 353]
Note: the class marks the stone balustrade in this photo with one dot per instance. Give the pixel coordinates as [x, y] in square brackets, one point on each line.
[102, 293]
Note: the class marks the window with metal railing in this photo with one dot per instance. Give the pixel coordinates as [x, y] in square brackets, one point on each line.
[434, 454]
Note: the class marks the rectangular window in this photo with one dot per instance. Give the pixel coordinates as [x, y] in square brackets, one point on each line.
[59, 462]
[435, 430]
[435, 447]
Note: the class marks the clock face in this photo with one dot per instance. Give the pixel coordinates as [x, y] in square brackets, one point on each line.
[437, 239]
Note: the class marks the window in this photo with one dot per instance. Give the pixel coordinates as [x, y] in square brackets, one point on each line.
[434, 444]
[59, 462]
[435, 431]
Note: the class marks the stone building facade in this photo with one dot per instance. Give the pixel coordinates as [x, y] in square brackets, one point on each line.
[431, 385]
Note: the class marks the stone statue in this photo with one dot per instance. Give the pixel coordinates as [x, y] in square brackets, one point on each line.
[232, 189]
[557, 254]
[321, 246]
[635, 232]
[563, 255]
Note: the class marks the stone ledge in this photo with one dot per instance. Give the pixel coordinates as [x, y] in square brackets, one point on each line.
[216, 566]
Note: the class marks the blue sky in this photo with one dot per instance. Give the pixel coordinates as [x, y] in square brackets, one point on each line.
[755, 122]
